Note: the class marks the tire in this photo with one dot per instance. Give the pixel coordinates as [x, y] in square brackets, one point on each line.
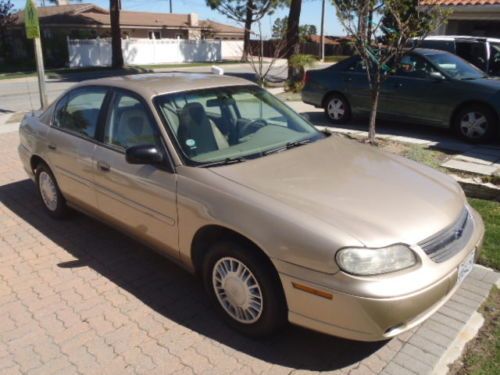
[236, 292]
[476, 124]
[50, 195]
[337, 109]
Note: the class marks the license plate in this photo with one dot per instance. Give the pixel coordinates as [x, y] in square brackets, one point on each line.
[465, 267]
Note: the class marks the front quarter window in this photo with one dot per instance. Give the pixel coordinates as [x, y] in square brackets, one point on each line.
[228, 123]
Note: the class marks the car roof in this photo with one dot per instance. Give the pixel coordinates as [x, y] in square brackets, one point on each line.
[152, 84]
[466, 37]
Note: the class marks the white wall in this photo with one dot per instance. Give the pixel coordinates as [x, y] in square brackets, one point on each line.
[232, 49]
[97, 52]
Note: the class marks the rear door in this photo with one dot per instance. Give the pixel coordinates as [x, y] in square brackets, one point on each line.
[72, 143]
[140, 198]
[358, 89]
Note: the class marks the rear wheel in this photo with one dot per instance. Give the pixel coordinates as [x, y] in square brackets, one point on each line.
[337, 109]
[50, 195]
[244, 288]
[476, 124]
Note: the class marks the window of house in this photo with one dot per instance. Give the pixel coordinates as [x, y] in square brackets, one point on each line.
[154, 35]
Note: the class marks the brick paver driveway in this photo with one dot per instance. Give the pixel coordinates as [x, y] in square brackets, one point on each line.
[79, 297]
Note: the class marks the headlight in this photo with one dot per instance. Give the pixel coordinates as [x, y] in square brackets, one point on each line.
[365, 261]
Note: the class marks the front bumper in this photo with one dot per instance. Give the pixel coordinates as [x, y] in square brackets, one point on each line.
[382, 308]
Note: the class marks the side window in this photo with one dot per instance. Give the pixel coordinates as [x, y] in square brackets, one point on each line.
[129, 124]
[79, 111]
[413, 66]
[358, 67]
[473, 52]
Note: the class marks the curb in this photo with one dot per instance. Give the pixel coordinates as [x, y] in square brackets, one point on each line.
[454, 351]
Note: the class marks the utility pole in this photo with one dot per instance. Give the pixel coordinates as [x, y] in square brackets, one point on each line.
[322, 33]
[170, 1]
[33, 32]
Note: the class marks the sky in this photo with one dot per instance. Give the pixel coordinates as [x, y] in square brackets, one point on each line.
[311, 12]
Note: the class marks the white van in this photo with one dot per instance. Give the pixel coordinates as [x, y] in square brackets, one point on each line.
[481, 51]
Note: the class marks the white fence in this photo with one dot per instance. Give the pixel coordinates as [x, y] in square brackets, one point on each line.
[97, 52]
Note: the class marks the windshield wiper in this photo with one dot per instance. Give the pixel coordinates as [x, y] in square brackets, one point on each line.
[225, 161]
[288, 146]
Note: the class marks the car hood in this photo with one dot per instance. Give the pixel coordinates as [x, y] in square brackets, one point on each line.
[489, 83]
[375, 197]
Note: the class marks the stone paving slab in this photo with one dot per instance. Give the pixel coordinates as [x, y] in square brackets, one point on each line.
[77, 297]
[466, 166]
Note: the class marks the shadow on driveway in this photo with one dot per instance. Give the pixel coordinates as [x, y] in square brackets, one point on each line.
[171, 291]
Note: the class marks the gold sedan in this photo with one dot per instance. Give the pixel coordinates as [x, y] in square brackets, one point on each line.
[283, 222]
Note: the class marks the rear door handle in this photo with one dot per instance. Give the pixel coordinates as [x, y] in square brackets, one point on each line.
[52, 147]
[103, 166]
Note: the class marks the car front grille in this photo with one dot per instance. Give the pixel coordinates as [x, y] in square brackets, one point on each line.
[445, 244]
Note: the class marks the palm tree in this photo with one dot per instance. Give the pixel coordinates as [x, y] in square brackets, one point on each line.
[293, 37]
[116, 37]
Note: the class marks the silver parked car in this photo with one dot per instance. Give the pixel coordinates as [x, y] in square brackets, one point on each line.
[283, 222]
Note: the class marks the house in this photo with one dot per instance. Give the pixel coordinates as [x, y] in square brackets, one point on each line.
[470, 17]
[89, 21]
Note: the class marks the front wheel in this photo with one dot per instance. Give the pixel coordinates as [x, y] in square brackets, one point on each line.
[337, 109]
[476, 124]
[244, 288]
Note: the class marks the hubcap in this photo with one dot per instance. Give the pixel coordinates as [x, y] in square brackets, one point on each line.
[473, 125]
[237, 290]
[48, 191]
[336, 109]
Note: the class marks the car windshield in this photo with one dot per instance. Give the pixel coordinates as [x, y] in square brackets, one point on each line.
[494, 59]
[455, 67]
[231, 124]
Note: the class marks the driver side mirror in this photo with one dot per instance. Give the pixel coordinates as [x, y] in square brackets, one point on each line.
[143, 154]
[437, 76]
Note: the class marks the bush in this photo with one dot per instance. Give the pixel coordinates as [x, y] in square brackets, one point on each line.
[299, 63]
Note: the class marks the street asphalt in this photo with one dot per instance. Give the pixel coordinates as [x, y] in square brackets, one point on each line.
[21, 94]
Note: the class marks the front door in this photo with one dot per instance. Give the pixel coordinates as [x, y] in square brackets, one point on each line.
[141, 198]
[72, 143]
[414, 95]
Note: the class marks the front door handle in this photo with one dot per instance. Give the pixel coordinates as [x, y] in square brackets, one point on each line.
[103, 166]
[52, 147]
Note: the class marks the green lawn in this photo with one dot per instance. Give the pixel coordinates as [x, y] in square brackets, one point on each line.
[335, 58]
[482, 355]
[490, 211]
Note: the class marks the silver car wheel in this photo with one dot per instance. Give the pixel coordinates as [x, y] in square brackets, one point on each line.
[237, 290]
[48, 190]
[474, 125]
[336, 109]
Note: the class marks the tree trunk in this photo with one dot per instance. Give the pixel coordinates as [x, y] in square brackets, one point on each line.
[248, 30]
[373, 115]
[292, 37]
[116, 37]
